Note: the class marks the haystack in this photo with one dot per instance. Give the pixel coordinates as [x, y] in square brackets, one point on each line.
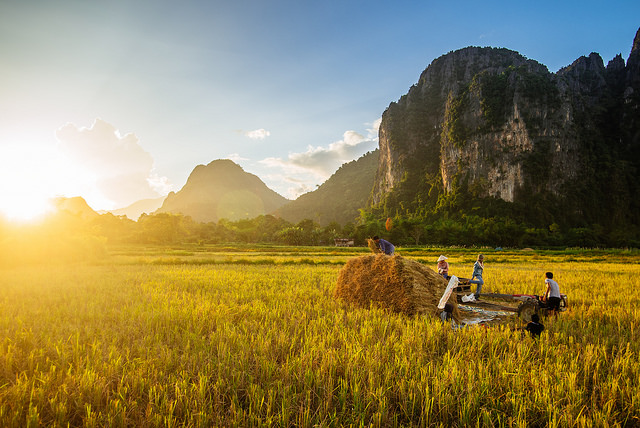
[393, 282]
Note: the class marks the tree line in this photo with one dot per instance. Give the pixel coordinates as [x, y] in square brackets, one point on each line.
[168, 228]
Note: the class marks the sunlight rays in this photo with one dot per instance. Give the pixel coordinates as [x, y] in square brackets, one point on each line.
[28, 181]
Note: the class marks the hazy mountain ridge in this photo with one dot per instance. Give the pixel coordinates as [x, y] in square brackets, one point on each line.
[144, 206]
[75, 206]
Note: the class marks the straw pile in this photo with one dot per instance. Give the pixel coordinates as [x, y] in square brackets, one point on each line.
[373, 246]
[393, 282]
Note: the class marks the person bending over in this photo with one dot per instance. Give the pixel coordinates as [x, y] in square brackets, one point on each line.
[384, 245]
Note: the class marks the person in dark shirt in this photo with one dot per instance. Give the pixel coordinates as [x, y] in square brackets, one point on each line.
[534, 327]
[384, 245]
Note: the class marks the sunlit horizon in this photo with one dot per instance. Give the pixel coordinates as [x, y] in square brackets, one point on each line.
[29, 206]
[32, 181]
[26, 210]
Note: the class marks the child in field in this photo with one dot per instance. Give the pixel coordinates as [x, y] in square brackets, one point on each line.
[534, 327]
[447, 315]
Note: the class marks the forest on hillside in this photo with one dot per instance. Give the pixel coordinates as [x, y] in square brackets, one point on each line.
[67, 237]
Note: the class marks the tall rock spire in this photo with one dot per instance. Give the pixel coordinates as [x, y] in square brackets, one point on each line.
[633, 64]
[636, 44]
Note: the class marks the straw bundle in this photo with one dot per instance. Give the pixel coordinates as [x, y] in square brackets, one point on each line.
[392, 282]
[373, 246]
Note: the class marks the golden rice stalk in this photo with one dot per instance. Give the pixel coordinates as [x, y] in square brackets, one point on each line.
[373, 246]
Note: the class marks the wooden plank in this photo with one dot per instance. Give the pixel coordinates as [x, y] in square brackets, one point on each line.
[493, 306]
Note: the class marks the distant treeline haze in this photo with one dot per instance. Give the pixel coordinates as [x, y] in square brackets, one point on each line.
[65, 235]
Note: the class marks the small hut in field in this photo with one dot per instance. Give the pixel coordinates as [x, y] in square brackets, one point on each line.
[392, 282]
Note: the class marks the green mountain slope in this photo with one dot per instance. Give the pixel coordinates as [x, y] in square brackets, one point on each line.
[339, 198]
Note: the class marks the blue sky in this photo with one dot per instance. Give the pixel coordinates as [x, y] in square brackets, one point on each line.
[119, 101]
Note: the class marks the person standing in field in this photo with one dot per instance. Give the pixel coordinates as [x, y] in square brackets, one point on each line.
[385, 246]
[476, 277]
[443, 267]
[552, 293]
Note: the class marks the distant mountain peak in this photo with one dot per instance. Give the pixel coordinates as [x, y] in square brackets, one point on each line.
[636, 43]
[222, 189]
[224, 163]
[221, 164]
[76, 206]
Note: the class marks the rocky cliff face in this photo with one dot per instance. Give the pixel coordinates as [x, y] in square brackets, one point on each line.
[631, 93]
[505, 127]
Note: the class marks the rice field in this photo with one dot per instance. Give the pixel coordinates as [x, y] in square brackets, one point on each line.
[254, 337]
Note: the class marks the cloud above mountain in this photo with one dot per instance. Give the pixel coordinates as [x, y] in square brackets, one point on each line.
[316, 164]
[325, 160]
[257, 134]
[116, 166]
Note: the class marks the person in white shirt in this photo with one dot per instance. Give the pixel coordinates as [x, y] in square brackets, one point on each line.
[552, 294]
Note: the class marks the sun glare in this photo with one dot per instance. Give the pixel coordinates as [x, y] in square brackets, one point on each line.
[25, 208]
[25, 185]
[30, 180]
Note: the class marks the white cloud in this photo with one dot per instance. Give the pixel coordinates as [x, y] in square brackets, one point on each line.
[290, 184]
[372, 133]
[160, 185]
[116, 167]
[324, 161]
[258, 134]
[296, 191]
[308, 169]
[236, 157]
[299, 187]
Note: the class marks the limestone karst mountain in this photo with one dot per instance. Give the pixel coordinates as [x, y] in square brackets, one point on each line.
[487, 130]
[222, 189]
